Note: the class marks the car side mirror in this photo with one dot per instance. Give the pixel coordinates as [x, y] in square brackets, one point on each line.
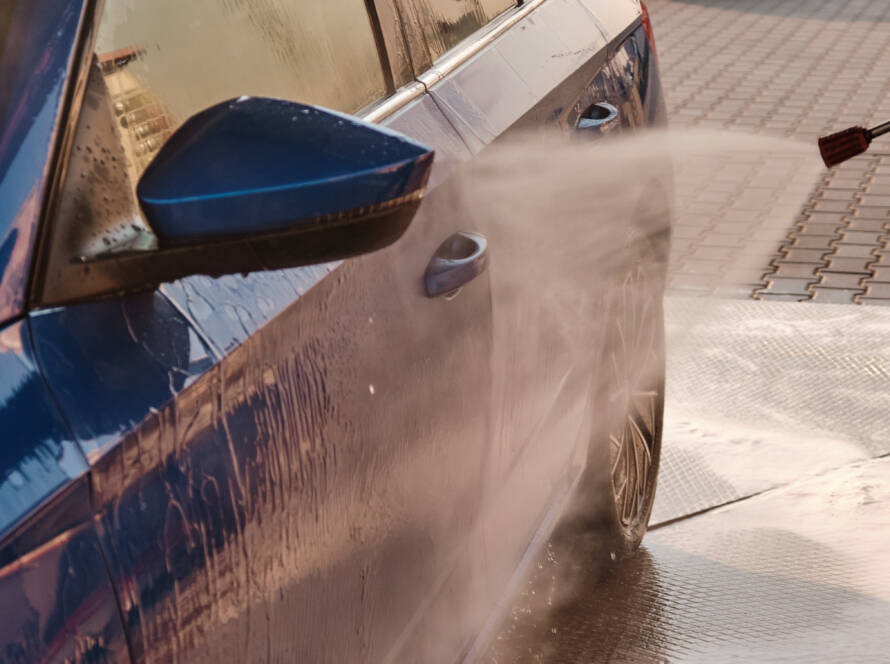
[252, 166]
[256, 184]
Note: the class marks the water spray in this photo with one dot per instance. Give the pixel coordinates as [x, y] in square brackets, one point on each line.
[846, 144]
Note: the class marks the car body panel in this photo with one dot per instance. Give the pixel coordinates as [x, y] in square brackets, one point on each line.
[499, 85]
[110, 363]
[252, 300]
[58, 604]
[542, 366]
[56, 600]
[38, 456]
[263, 460]
[34, 68]
[614, 17]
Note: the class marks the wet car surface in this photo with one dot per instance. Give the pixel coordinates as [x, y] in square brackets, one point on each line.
[263, 404]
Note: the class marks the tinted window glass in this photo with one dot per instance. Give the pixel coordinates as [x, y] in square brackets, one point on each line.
[494, 7]
[446, 22]
[165, 60]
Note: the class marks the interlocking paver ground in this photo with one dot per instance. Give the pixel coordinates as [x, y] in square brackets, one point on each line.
[795, 69]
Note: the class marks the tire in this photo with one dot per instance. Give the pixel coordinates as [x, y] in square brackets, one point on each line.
[633, 359]
[609, 513]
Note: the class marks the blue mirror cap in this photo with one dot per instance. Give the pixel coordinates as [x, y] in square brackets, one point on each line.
[256, 165]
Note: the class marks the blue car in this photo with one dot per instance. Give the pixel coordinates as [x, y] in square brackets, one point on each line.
[266, 393]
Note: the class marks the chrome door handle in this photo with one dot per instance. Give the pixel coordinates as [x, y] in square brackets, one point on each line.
[598, 116]
[458, 260]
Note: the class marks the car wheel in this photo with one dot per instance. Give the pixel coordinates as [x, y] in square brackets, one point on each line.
[632, 398]
[609, 511]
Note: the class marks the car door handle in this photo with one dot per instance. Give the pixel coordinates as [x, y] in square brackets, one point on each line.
[598, 116]
[458, 260]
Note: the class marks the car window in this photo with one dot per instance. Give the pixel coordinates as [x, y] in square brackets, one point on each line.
[158, 62]
[164, 60]
[447, 22]
[494, 7]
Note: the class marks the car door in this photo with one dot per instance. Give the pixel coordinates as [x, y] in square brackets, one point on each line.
[286, 465]
[523, 72]
[538, 66]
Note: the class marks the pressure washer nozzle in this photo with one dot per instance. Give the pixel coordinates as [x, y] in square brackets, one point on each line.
[848, 143]
[844, 145]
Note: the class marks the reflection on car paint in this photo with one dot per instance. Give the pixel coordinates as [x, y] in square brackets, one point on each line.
[37, 454]
[33, 67]
[57, 604]
[277, 484]
[112, 362]
[248, 301]
[525, 92]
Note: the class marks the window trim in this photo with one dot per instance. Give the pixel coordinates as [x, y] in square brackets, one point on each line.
[76, 84]
[449, 61]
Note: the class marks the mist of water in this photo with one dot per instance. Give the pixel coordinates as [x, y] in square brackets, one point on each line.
[574, 227]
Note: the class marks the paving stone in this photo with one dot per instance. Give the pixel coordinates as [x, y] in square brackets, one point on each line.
[856, 223]
[688, 282]
[871, 212]
[764, 249]
[875, 200]
[713, 253]
[834, 295]
[859, 237]
[810, 228]
[711, 209]
[841, 280]
[877, 187]
[758, 207]
[714, 268]
[880, 273]
[799, 270]
[680, 245]
[829, 218]
[845, 250]
[841, 206]
[852, 265]
[687, 232]
[803, 255]
[787, 285]
[877, 289]
[855, 184]
[836, 194]
[876, 301]
[822, 242]
[749, 277]
[739, 228]
[721, 240]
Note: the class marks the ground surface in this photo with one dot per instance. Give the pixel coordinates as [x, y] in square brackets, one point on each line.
[770, 537]
[788, 68]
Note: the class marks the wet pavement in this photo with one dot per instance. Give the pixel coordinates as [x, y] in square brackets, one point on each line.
[770, 535]
[798, 574]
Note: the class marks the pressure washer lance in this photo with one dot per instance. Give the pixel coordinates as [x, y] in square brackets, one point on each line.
[848, 143]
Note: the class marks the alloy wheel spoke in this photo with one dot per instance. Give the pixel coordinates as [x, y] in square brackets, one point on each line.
[631, 357]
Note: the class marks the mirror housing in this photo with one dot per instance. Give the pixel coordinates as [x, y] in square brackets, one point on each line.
[252, 165]
[257, 184]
